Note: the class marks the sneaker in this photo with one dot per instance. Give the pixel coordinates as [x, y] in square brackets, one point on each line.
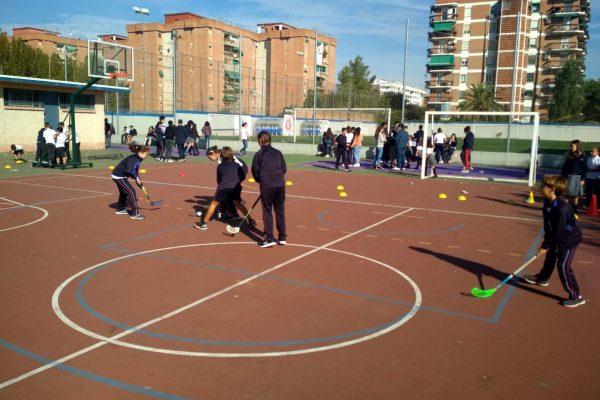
[572, 303]
[267, 243]
[138, 216]
[122, 212]
[464, 171]
[201, 225]
[281, 242]
[534, 280]
[347, 170]
[170, 160]
[356, 165]
[252, 223]
[396, 169]
[435, 173]
[471, 168]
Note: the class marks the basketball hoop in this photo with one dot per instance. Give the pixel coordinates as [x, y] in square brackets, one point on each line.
[118, 75]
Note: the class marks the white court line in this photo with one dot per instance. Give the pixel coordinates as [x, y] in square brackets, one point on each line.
[56, 187]
[114, 339]
[29, 223]
[341, 201]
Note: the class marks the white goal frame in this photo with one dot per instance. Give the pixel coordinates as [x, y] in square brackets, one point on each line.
[429, 126]
[388, 110]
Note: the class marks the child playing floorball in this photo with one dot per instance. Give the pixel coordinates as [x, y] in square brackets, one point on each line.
[129, 168]
[231, 172]
[17, 151]
[561, 238]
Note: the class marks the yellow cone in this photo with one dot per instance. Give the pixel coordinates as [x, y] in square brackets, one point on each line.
[442, 196]
[343, 194]
[111, 167]
[251, 180]
[142, 171]
[18, 162]
[289, 183]
[461, 198]
[7, 166]
[339, 187]
[530, 200]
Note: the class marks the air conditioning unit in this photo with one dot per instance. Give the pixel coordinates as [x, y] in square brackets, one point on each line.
[546, 56]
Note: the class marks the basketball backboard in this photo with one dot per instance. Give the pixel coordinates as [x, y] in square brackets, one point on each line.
[110, 60]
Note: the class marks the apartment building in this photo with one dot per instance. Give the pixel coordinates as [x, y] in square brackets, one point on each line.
[414, 95]
[218, 61]
[517, 46]
[208, 64]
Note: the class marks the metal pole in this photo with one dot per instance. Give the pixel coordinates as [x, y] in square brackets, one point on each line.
[240, 87]
[514, 81]
[174, 37]
[144, 69]
[315, 91]
[65, 59]
[404, 71]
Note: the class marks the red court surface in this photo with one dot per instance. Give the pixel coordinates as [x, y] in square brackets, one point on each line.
[368, 300]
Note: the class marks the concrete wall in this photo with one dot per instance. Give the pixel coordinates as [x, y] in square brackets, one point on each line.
[20, 125]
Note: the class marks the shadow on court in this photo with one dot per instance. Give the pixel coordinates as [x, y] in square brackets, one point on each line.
[481, 270]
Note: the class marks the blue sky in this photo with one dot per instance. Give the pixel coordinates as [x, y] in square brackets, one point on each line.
[372, 29]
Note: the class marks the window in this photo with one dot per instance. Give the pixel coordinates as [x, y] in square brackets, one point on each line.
[530, 77]
[468, 12]
[535, 23]
[465, 45]
[467, 29]
[463, 78]
[532, 43]
[23, 98]
[532, 59]
[461, 95]
[83, 101]
[463, 62]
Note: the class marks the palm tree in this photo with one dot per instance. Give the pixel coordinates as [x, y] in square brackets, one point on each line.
[480, 97]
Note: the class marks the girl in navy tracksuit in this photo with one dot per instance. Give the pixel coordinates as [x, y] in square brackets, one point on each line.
[129, 168]
[562, 235]
[231, 172]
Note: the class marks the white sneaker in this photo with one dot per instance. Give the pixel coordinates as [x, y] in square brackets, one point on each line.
[464, 171]
[396, 169]
[356, 165]
[170, 160]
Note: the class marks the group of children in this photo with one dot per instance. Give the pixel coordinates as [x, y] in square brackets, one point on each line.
[53, 145]
[268, 170]
[562, 234]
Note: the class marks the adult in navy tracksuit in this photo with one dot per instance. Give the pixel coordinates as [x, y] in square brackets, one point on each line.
[342, 152]
[40, 152]
[562, 235]
[268, 169]
[180, 137]
[129, 168]
[401, 143]
[159, 130]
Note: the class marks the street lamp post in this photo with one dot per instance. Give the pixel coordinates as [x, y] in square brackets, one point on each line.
[143, 11]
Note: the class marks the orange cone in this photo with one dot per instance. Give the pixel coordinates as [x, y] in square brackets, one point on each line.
[593, 208]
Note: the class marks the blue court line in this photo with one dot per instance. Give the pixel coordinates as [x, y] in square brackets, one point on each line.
[321, 219]
[90, 376]
[509, 292]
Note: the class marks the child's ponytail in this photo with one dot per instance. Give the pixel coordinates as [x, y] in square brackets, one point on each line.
[137, 148]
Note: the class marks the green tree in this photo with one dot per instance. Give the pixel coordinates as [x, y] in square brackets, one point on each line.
[4, 52]
[591, 110]
[568, 97]
[480, 97]
[356, 85]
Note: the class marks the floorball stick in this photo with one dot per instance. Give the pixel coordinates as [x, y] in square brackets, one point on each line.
[152, 203]
[489, 292]
[235, 229]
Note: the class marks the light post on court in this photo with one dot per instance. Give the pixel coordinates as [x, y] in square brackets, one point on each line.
[146, 12]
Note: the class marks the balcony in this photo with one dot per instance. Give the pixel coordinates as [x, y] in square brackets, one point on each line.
[563, 48]
[448, 49]
[567, 11]
[565, 30]
[445, 6]
[438, 84]
[440, 62]
[437, 18]
[439, 99]
[232, 75]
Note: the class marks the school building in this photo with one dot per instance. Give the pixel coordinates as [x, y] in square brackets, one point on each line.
[26, 103]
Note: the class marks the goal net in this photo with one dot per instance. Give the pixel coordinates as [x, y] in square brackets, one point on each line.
[366, 119]
[505, 140]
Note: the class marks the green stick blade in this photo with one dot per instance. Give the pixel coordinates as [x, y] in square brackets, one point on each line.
[482, 292]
